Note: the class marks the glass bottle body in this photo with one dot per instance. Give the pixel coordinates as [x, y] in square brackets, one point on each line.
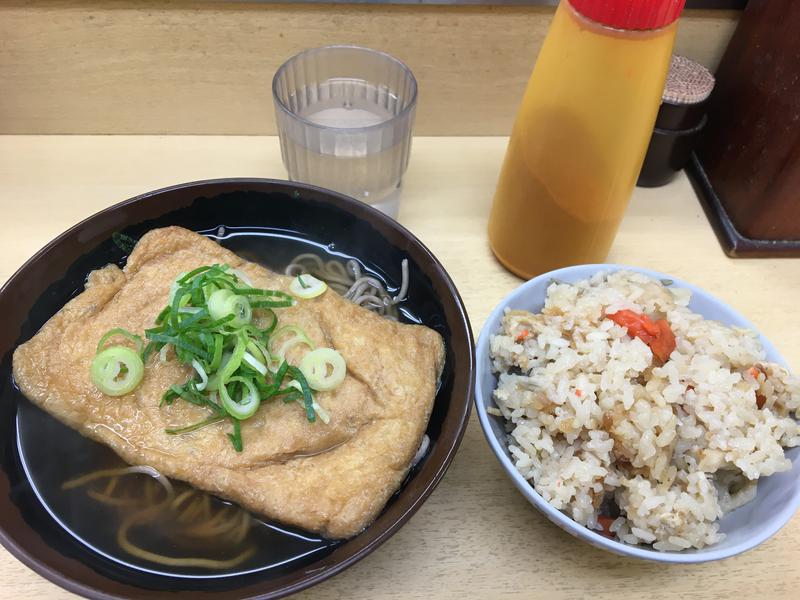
[578, 143]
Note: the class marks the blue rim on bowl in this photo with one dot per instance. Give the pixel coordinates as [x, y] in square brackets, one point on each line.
[779, 493]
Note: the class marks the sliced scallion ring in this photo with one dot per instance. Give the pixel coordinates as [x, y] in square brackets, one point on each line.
[321, 413]
[136, 339]
[307, 286]
[202, 373]
[217, 303]
[257, 350]
[117, 370]
[173, 289]
[239, 306]
[249, 403]
[255, 363]
[230, 365]
[224, 302]
[324, 369]
[298, 337]
[213, 379]
[241, 276]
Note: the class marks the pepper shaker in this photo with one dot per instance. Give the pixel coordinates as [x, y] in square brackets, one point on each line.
[681, 118]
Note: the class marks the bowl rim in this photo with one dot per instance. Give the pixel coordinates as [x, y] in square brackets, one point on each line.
[556, 516]
[453, 425]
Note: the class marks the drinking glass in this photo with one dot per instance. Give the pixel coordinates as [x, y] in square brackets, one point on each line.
[344, 116]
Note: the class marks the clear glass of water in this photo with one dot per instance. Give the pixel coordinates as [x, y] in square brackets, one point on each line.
[344, 117]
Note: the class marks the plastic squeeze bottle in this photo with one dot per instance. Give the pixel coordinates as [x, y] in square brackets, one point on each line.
[581, 133]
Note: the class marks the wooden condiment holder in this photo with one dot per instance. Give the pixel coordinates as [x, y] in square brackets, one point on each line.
[747, 165]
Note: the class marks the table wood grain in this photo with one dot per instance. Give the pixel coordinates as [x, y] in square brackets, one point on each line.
[476, 537]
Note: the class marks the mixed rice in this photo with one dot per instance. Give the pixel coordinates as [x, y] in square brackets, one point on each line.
[647, 451]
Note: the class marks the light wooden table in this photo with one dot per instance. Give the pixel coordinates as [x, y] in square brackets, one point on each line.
[476, 537]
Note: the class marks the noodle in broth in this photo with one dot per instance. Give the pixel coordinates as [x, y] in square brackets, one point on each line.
[189, 512]
[350, 281]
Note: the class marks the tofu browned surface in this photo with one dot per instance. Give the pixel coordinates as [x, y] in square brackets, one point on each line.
[329, 478]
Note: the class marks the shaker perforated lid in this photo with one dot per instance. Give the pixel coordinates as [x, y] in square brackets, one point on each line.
[688, 82]
[630, 14]
[683, 103]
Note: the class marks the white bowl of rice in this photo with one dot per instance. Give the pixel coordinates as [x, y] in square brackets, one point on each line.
[640, 414]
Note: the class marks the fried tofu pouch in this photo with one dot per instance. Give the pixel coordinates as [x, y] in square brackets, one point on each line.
[332, 478]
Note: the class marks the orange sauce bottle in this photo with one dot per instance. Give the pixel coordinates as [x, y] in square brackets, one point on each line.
[581, 133]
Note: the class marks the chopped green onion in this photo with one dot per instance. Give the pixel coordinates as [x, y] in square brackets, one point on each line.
[224, 303]
[257, 350]
[308, 398]
[255, 363]
[174, 289]
[124, 242]
[266, 331]
[307, 286]
[236, 436]
[241, 276]
[315, 366]
[201, 372]
[213, 323]
[180, 343]
[278, 299]
[195, 426]
[240, 308]
[186, 277]
[234, 360]
[321, 412]
[280, 374]
[136, 339]
[216, 357]
[187, 392]
[218, 303]
[117, 370]
[189, 323]
[247, 405]
[298, 337]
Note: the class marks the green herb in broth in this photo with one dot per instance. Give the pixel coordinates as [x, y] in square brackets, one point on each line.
[124, 242]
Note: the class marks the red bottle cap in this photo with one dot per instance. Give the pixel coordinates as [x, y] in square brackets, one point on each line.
[630, 14]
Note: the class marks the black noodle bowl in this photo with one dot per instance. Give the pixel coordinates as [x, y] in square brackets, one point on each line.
[72, 536]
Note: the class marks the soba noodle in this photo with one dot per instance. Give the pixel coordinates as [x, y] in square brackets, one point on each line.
[351, 282]
[190, 510]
